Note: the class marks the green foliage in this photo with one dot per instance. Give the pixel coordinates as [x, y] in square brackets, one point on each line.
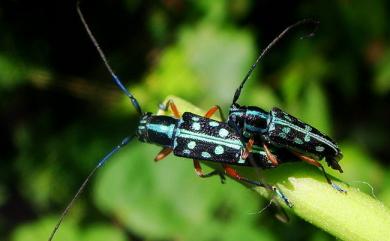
[12, 72]
[168, 197]
[351, 216]
[69, 231]
[382, 80]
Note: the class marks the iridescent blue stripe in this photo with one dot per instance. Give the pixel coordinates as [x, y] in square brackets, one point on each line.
[234, 144]
[257, 113]
[162, 129]
[315, 136]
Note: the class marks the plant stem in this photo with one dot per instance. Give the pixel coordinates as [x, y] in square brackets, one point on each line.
[351, 216]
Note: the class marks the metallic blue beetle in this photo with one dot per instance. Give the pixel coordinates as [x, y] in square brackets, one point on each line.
[277, 128]
[190, 136]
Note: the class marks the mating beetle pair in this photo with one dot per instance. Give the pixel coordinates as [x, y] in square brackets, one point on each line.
[250, 137]
[282, 130]
[279, 136]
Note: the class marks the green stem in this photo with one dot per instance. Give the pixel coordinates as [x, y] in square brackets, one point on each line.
[352, 216]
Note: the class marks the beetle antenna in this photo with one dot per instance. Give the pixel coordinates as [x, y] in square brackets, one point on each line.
[270, 45]
[124, 142]
[103, 57]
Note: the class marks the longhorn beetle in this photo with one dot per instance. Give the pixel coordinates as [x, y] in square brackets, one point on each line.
[279, 129]
[189, 136]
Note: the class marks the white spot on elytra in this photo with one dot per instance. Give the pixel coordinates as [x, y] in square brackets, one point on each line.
[223, 132]
[241, 161]
[196, 126]
[195, 118]
[320, 148]
[213, 123]
[219, 150]
[191, 145]
[206, 154]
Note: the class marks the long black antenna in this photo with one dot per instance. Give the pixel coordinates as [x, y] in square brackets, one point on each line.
[270, 45]
[103, 57]
[80, 190]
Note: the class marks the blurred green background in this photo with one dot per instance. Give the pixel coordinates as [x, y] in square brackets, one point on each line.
[60, 112]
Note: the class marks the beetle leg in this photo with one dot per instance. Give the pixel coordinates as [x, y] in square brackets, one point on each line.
[281, 214]
[234, 174]
[248, 148]
[163, 153]
[271, 156]
[199, 172]
[173, 107]
[317, 164]
[213, 110]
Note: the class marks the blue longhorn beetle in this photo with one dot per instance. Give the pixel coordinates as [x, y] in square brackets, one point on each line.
[277, 128]
[189, 136]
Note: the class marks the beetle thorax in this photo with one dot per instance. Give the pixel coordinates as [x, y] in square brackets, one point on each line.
[159, 130]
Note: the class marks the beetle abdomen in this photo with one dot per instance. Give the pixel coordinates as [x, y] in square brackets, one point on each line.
[198, 137]
[286, 130]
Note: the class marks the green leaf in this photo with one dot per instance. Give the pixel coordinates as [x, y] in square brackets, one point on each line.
[41, 229]
[101, 232]
[381, 82]
[220, 57]
[315, 108]
[69, 230]
[165, 199]
[351, 216]
[12, 72]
